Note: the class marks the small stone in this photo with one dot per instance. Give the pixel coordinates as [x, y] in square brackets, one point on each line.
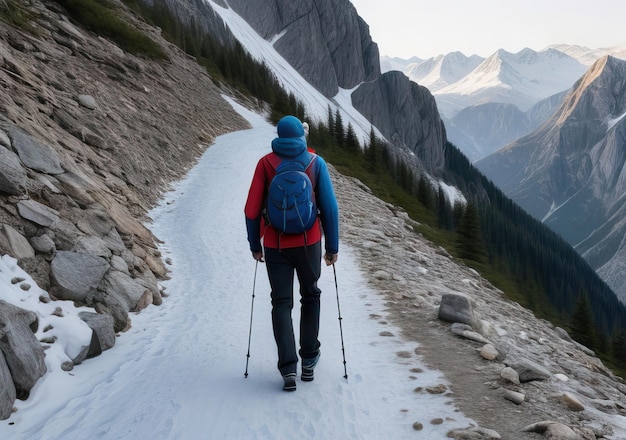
[418, 426]
[67, 366]
[439, 389]
[514, 396]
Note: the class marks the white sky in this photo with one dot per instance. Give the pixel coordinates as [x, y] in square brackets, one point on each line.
[406, 28]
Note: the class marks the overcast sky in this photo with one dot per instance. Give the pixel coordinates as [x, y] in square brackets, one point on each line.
[406, 28]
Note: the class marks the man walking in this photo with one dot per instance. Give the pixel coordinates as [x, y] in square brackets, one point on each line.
[289, 252]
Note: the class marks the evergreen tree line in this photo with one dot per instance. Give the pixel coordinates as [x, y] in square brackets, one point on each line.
[489, 231]
[227, 63]
[543, 264]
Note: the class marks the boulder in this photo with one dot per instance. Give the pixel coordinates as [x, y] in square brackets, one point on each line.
[529, 370]
[77, 276]
[12, 174]
[34, 154]
[15, 243]
[22, 352]
[7, 389]
[37, 213]
[456, 307]
[103, 332]
[124, 288]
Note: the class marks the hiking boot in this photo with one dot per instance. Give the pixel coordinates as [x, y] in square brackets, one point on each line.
[290, 382]
[307, 368]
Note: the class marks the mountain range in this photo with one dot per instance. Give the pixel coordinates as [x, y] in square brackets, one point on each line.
[526, 87]
[512, 114]
[571, 172]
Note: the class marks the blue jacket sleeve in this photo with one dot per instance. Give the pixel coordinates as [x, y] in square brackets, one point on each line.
[327, 205]
[253, 227]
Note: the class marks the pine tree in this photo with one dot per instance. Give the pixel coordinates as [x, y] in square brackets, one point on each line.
[352, 143]
[339, 130]
[582, 321]
[470, 244]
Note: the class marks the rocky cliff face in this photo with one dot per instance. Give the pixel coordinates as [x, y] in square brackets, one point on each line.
[330, 46]
[90, 137]
[407, 116]
[325, 40]
[570, 172]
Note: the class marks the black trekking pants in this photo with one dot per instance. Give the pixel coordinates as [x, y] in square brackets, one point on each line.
[281, 265]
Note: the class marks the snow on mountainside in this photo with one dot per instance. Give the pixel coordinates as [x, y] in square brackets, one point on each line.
[388, 64]
[439, 72]
[523, 78]
[589, 56]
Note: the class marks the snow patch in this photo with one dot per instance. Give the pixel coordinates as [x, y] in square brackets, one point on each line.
[612, 122]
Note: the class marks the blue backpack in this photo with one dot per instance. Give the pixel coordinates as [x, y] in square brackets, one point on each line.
[290, 204]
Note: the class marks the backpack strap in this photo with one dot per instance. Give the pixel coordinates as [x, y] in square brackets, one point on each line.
[275, 160]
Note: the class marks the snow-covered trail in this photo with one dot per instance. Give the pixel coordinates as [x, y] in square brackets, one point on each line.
[179, 372]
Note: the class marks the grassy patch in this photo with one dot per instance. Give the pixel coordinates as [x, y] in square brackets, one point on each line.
[15, 14]
[101, 18]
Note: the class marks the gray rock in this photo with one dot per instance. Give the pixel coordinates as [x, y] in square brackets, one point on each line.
[87, 101]
[91, 245]
[34, 154]
[456, 307]
[407, 115]
[103, 332]
[12, 173]
[16, 244]
[113, 308]
[22, 351]
[7, 389]
[509, 374]
[125, 289]
[514, 396]
[37, 213]
[65, 235]
[466, 331]
[4, 139]
[529, 370]
[489, 352]
[76, 275]
[326, 41]
[114, 242]
[118, 263]
[43, 244]
[476, 433]
[552, 430]
[94, 221]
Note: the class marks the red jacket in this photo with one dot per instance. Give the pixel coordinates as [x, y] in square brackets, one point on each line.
[265, 171]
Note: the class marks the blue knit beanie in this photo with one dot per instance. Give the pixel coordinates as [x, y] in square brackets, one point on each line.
[290, 127]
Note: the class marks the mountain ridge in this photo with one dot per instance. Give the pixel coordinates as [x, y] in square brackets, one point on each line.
[569, 172]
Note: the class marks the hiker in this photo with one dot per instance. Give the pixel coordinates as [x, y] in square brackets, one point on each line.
[301, 252]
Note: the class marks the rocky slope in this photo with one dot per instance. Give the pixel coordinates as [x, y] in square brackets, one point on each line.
[516, 375]
[89, 138]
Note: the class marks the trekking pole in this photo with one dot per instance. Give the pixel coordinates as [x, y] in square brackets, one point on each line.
[343, 350]
[251, 312]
